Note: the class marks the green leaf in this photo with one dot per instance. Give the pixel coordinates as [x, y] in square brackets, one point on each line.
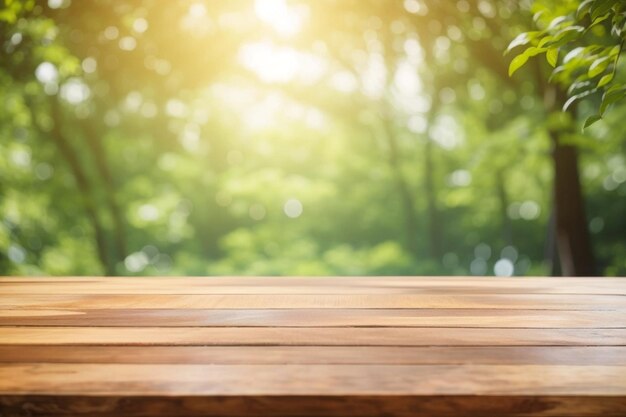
[533, 50]
[556, 22]
[583, 9]
[572, 99]
[598, 66]
[517, 63]
[598, 21]
[573, 54]
[591, 120]
[614, 89]
[556, 73]
[579, 87]
[600, 7]
[521, 39]
[544, 41]
[612, 95]
[571, 32]
[566, 35]
[605, 80]
[615, 50]
[617, 23]
[552, 56]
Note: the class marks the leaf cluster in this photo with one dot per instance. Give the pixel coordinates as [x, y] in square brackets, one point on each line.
[590, 39]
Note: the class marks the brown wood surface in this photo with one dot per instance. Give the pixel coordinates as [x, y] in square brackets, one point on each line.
[302, 346]
[158, 317]
[310, 336]
[299, 301]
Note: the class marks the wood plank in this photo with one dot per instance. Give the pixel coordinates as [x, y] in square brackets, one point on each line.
[332, 280]
[159, 286]
[386, 355]
[260, 301]
[308, 336]
[305, 405]
[310, 380]
[320, 283]
[285, 346]
[315, 318]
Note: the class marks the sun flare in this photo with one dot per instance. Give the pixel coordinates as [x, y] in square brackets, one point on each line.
[279, 64]
[285, 20]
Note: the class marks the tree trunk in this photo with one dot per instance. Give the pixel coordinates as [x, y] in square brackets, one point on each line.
[94, 141]
[434, 225]
[505, 221]
[83, 185]
[572, 235]
[408, 203]
[551, 254]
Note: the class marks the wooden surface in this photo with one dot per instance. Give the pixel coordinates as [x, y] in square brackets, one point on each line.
[388, 346]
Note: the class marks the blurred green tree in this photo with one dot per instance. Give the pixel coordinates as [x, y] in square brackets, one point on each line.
[271, 137]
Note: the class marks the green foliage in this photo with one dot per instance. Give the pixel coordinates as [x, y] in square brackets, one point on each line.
[590, 36]
[136, 139]
[10, 10]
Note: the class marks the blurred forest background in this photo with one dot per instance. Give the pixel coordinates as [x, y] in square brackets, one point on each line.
[273, 137]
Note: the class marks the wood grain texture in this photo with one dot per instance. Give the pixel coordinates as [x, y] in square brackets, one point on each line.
[310, 336]
[317, 301]
[302, 346]
[159, 317]
[297, 406]
[355, 355]
[287, 379]
[306, 286]
[473, 281]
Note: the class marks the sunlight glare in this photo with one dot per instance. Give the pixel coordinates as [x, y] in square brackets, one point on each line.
[197, 10]
[344, 81]
[406, 80]
[284, 20]
[275, 64]
[373, 77]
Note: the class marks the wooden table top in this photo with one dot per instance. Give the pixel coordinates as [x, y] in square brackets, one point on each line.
[351, 346]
